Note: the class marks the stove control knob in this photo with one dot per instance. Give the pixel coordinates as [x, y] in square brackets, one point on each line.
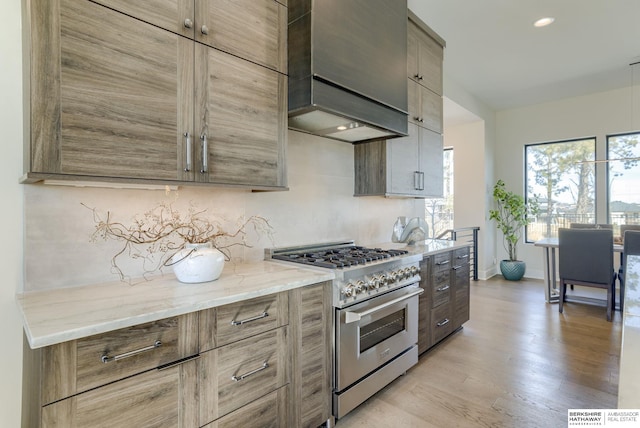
[414, 270]
[348, 290]
[407, 272]
[383, 280]
[360, 287]
[393, 276]
[374, 282]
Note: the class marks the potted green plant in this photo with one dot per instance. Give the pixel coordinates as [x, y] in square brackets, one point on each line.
[512, 213]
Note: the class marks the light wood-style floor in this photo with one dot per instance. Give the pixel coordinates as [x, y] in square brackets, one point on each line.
[516, 363]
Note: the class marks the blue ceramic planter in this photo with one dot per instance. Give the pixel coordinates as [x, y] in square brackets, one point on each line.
[512, 270]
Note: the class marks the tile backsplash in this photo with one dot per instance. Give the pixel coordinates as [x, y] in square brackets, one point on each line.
[319, 206]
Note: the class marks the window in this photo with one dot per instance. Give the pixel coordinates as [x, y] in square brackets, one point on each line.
[438, 212]
[623, 176]
[562, 177]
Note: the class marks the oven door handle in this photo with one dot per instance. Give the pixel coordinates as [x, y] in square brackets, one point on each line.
[350, 317]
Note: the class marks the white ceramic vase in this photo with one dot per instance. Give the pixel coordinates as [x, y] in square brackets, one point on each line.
[197, 263]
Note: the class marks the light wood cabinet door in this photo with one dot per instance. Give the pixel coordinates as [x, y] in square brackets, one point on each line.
[431, 163]
[252, 29]
[425, 56]
[403, 169]
[311, 321]
[234, 375]
[107, 93]
[157, 398]
[425, 107]
[241, 109]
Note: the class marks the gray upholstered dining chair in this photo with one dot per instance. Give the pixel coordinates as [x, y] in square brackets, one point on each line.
[586, 259]
[630, 246]
[625, 227]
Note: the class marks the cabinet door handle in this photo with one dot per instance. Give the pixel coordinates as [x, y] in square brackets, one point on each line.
[443, 288]
[466, 256]
[187, 167]
[265, 365]
[205, 154]
[257, 317]
[421, 180]
[107, 359]
[188, 23]
[443, 322]
[456, 267]
[416, 180]
[417, 76]
[442, 263]
[204, 30]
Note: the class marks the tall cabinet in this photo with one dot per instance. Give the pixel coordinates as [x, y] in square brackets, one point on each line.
[165, 90]
[413, 165]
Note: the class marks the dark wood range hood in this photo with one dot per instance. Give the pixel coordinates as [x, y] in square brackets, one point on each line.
[347, 68]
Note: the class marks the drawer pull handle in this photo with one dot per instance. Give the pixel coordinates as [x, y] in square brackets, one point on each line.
[107, 359]
[443, 288]
[466, 256]
[456, 267]
[443, 322]
[257, 317]
[265, 365]
[442, 263]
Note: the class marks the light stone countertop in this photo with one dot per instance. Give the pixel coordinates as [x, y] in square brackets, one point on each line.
[427, 247]
[56, 316]
[629, 377]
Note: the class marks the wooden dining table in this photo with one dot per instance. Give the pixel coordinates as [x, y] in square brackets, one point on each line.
[551, 292]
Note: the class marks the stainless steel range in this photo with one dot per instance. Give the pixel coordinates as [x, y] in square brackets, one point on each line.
[375, 300]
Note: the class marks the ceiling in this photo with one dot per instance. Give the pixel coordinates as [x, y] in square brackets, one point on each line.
[494, 52]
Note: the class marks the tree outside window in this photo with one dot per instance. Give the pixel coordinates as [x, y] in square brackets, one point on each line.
[562, 176]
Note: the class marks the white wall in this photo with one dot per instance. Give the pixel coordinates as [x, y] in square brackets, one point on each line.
[596, 115]
[470, 194]
[11, 212]
[473, 143]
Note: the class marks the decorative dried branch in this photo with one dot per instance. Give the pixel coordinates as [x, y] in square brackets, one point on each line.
[163, 231]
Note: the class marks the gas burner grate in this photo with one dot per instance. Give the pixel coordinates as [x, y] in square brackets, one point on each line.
[337, 258]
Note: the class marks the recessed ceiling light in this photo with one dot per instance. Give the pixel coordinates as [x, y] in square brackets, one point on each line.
[543, 22]
[341, 128]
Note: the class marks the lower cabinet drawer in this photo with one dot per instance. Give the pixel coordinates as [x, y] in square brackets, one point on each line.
[151, 399]
[269, 411]
[239, 373]
[441, 294]
[236, 321]
[441, 322]
[80, 365]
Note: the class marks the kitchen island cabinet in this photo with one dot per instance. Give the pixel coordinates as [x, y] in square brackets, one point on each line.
[219, 361]
[410, 166]
[114, 96]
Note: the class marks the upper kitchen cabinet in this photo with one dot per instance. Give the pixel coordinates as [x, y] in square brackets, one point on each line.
[425, 53]
[402, 167]
[252, 29]
[111, 95]
[410, 166]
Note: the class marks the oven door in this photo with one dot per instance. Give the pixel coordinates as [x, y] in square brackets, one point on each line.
[373, 332]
